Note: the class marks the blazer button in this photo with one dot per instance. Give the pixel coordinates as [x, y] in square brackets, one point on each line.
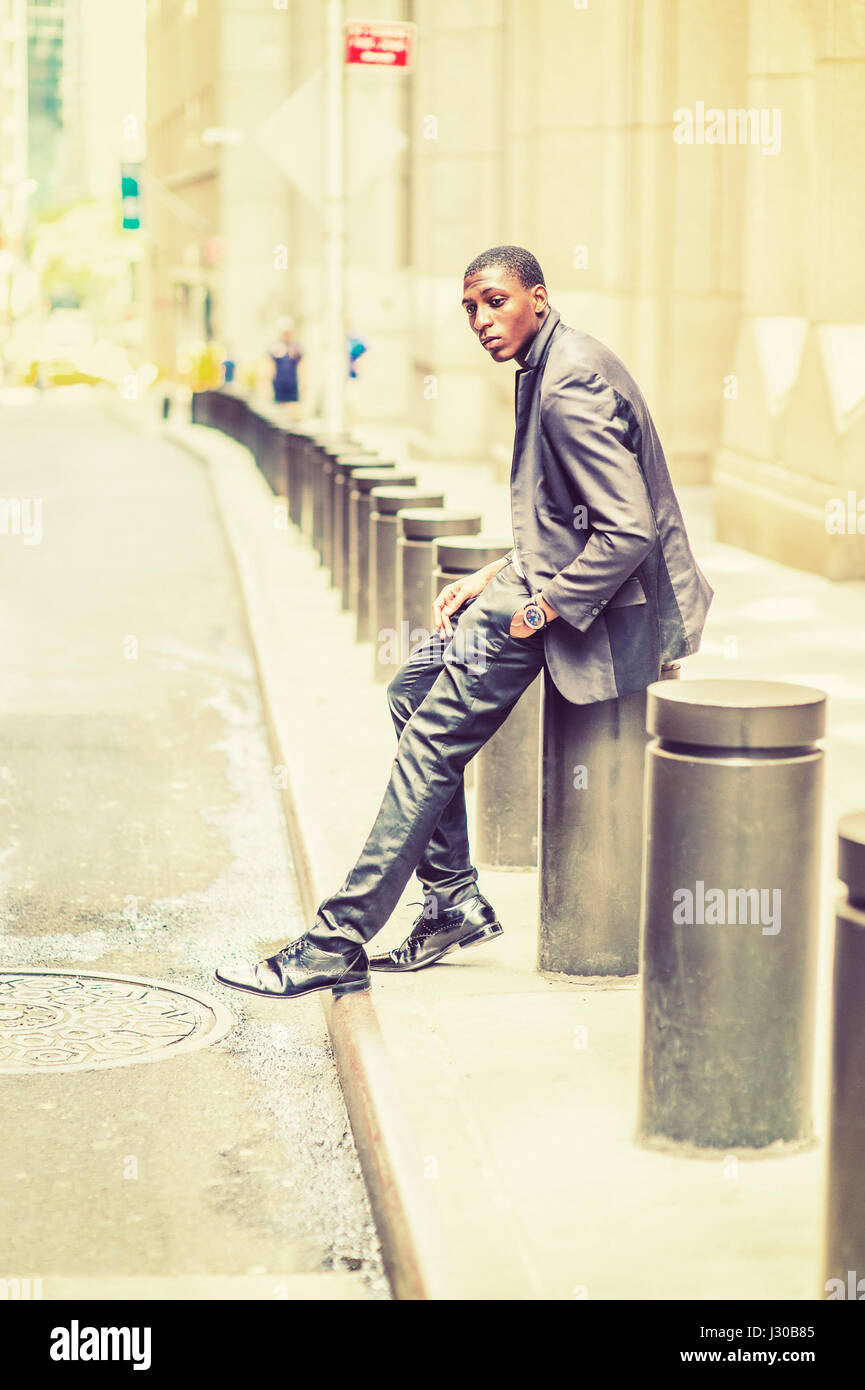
[596, 610]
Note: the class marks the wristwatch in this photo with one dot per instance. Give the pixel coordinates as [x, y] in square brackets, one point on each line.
[534, 615]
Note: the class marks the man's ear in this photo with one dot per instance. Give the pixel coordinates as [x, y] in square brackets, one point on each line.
[540, 298]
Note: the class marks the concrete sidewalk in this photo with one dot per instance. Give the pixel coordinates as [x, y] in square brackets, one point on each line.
[520, 1087]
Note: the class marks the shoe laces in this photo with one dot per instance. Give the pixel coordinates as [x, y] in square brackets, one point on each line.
[423, 926]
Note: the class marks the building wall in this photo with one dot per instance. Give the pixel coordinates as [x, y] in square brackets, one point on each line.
[722, 274]
[180, 184]
[793, 438]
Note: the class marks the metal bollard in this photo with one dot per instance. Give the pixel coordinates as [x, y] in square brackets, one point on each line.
[297, 444]
[303, 475]
[505, 771]
[730, 911]
[300, 443]
[312, 466]
[246, 427]
[340, 469]
[845, 1215]
[198, 409]
[326, 450]
[329, 454]
[417, 530]
[350, 495]
[282, 447]
[355, 589]
[232, 408]
[591, 832]
[387, 503]
[267, 438]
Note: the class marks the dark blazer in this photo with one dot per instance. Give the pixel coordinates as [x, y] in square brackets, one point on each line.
[596, 524]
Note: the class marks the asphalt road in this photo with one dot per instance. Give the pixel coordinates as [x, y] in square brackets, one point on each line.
[141, 833]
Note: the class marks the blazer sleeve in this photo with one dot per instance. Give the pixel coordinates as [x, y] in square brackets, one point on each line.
[587, 432]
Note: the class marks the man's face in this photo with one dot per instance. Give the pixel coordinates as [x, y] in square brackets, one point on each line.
[503, 314]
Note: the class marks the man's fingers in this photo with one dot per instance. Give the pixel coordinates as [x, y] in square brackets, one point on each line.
[454, 601]
[447, 602]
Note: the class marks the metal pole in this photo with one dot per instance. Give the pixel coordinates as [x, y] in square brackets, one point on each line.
[383, 617]
[591, 832]
[505, 834]
[730, 913]
[845, 1224]
[334, 223]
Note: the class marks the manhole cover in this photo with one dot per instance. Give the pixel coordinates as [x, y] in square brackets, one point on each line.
[68, 1021]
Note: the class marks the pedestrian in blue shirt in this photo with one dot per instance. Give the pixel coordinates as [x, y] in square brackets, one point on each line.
[286, 354]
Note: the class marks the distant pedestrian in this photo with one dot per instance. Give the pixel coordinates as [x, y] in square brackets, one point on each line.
[286, 354]
[356, 349]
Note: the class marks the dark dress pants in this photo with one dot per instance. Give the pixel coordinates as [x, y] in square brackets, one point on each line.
[446, 702]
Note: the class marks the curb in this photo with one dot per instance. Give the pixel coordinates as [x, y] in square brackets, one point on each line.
[407, 1224]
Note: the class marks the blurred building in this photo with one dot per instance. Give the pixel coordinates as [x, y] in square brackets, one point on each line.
[54, 95]
[13, 118]
[717, 254]
[217, 206]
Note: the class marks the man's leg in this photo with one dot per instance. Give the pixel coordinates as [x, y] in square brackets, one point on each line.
[482, 677]
[446, 873]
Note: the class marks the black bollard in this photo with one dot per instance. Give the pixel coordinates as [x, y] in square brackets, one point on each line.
[324, 496]
[387, 503]
[730, 912]
[267, 442]
[505, 771]
[303, 467]
[340, 469]
[282, 448]
[591, 832]
[232, 408]
[355, 589]
[386, 472]
[326, 449]
[845, 1217]
[417, 531]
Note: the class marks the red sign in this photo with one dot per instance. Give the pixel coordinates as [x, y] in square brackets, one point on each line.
[378, 45]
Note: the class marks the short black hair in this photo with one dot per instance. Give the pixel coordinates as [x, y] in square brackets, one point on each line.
[515, 259]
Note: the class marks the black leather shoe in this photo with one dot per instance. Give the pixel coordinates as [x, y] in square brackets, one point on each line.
[300, 968]
[468, 924]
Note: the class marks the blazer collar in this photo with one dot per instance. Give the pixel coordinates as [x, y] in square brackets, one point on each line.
[541, 342]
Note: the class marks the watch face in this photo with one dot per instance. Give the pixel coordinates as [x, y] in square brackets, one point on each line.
[534, 615]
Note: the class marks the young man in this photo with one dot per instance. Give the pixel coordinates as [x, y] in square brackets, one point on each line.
[601, 587]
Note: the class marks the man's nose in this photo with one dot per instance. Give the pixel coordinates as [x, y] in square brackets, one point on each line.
[483, 319]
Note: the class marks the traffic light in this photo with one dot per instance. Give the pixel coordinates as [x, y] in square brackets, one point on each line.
[129, 197]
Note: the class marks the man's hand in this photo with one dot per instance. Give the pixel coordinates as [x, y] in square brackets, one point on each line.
[453, 596]
[520, 628]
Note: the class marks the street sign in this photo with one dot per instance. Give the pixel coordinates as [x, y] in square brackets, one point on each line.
[370, 43]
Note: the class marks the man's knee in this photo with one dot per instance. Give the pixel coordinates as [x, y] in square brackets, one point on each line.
[399, 696]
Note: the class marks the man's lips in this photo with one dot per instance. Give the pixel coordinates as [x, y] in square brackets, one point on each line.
[490, 342]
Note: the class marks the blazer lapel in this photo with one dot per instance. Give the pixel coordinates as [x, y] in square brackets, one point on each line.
[524, 385]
